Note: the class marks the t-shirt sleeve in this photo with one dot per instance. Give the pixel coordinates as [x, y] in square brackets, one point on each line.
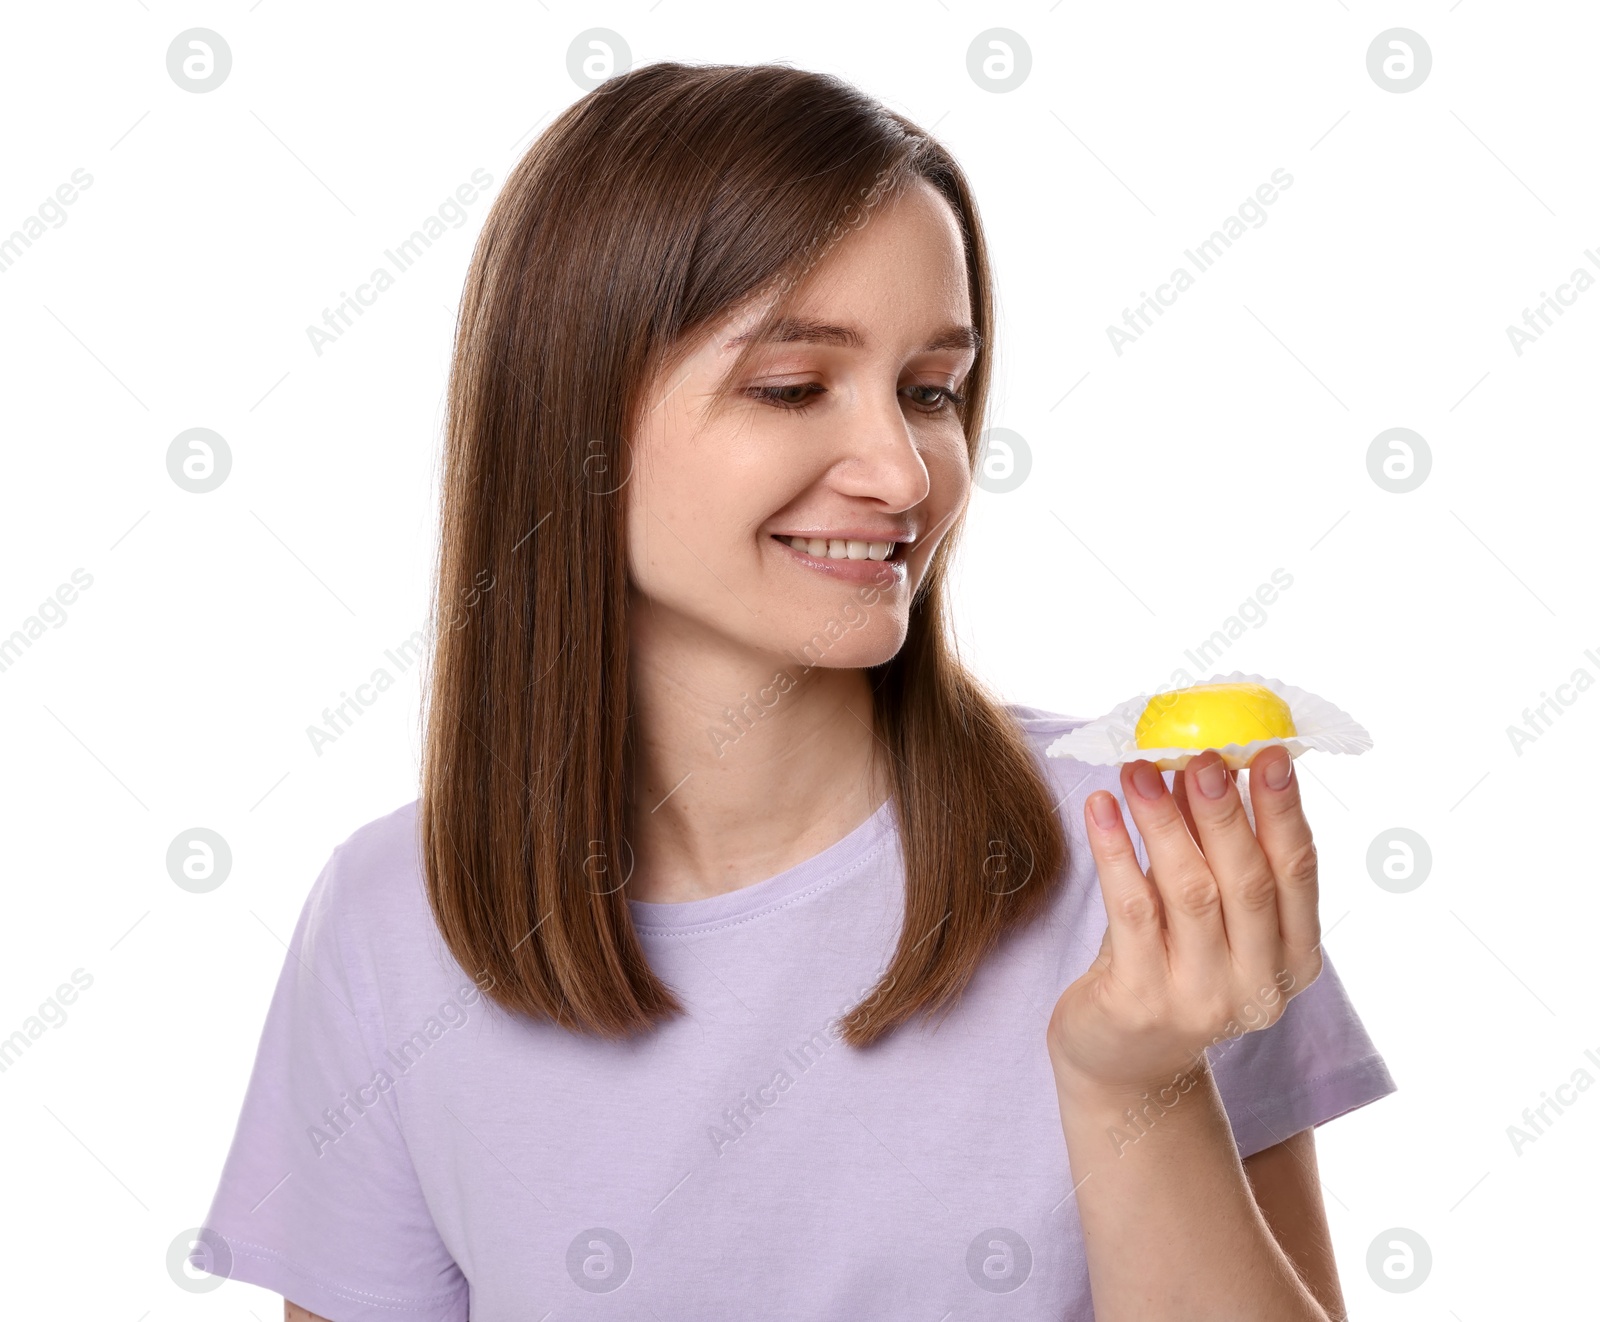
[1315, 1063]
[318, 1198]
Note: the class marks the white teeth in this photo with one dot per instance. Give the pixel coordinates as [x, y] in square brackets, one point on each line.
[836, 548]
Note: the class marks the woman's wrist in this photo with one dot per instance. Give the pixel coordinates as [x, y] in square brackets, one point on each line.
[1098, 1093]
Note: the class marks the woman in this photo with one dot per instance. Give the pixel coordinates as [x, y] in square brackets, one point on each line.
[741, 956]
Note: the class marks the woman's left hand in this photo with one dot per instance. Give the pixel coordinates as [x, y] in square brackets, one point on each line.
[1211, 944]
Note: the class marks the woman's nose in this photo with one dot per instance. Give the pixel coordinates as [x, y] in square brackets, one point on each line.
[881, 460]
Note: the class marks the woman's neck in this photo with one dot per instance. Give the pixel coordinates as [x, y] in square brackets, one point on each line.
[744, 764]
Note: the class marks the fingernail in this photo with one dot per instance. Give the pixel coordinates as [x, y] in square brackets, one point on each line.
[1147, 780]
[1104, 808]
[1277, 773]
[1212, 779]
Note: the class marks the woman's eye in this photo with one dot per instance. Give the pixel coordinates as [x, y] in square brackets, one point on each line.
[798, 396]
[784, 397]
[943, 395]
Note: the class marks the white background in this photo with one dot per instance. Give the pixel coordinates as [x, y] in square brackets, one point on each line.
[1168, 482]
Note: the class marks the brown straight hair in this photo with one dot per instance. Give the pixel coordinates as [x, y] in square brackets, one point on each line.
[645, 213]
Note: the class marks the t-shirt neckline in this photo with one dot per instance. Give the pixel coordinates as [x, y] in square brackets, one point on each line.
[830, 864]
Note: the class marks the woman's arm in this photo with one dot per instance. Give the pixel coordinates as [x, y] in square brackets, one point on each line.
[1219, 935]
[1289, 1194]
[294, 1313]
[1171, 1226]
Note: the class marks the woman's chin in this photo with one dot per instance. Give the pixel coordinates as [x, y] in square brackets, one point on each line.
[840, 645]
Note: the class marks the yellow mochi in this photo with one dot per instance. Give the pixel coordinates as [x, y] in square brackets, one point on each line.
[1213, 716]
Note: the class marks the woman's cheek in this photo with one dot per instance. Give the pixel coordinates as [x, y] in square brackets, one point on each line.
[950, 489]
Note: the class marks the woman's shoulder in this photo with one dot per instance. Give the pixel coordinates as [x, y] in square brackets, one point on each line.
[383, 839]
[371, 880]
[1073, 780]
[1041, 720]
[368, 926]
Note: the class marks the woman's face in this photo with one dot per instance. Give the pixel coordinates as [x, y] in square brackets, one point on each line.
[842, 435]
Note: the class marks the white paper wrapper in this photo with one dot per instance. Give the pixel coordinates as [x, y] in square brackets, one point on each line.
[1108, 740]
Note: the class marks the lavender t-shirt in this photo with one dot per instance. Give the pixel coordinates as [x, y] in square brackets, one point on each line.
[408, 1150]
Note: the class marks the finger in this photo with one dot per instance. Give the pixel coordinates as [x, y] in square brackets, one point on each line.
[1133, 907]
[1245, 879]
[1285, 838]
[1181, 794]
[1189, 896]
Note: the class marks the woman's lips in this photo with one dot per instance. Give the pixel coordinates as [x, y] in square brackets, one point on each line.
[885, 573]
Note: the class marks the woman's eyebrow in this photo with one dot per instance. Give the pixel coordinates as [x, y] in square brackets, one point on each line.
[792, 330]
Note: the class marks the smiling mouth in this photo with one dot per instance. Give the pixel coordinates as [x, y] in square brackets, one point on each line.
[842, 548]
